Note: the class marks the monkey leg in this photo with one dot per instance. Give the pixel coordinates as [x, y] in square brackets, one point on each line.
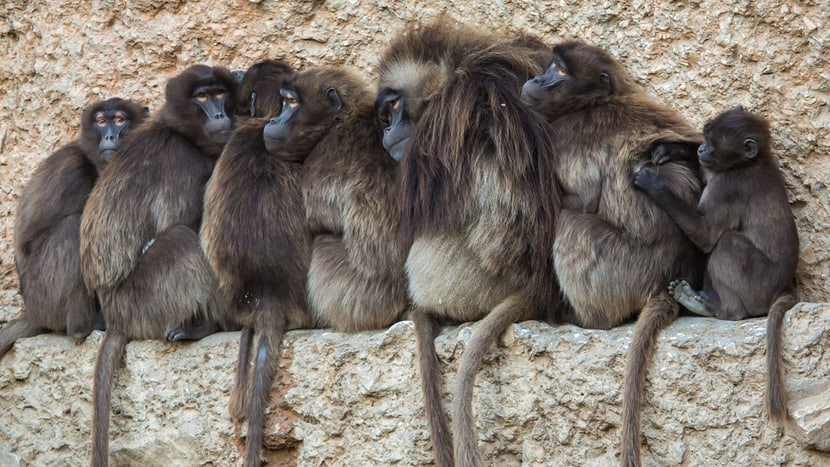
[238, 404]
[344, 297]
[426, 330]
[53, 288]
[172, 284]
[693, 301]
[657, 314]
[776, 396]
[109, 356]
[513, 309]
[744, 278]
[605, 273]
[17, 329]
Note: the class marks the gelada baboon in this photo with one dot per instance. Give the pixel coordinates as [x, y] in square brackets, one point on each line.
[47, 253]
[255, 236]
[259, 90]
[744, 223]
[323, 207]
[356, 279]
[477, 196]
[616, 250]
[139, 248]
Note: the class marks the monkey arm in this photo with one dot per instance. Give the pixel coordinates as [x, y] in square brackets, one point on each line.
[691, 222]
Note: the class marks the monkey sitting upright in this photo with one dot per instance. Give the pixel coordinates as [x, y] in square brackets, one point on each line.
[47, 254]
[744, 223]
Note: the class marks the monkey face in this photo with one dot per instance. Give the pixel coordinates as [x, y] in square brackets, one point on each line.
[309, 107]
[391, 110]
[578, 76]
[733, 138]
[105, 123]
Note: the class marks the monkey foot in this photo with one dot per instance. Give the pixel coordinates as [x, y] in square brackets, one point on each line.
[685, 295]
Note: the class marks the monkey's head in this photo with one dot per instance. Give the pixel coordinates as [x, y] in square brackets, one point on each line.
[104, 123]
[414, 70]
[406, 89]
[201, 103]
[733, 138]
[578, 76]
[316, 100]
[260, 89]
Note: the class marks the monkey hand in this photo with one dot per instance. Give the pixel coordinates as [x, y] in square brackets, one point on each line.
[668, 152]
[648, 180]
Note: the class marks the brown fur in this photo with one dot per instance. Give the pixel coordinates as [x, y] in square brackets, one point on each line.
[47, 235]
[255, 236]
[259, 91]
[615, 250]
[477, 197]
[744, 223]
[323, 208]
[152, 190]
[356, 280]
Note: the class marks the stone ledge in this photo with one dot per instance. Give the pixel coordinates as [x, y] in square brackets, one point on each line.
[547, 395]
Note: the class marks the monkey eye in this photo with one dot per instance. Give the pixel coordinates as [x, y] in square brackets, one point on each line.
[219, 95]
[290, 101]
[201, 96]
[394, 105]
[119, 120]
[101, 121]
[384, 117]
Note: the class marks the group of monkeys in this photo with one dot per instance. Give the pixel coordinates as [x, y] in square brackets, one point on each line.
[483, 180]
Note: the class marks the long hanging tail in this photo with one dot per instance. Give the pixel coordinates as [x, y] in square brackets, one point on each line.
[238, 404]
[514, 308]
[776, 397]
[16, 329]
[655, 316]
[269, 335]
[426, 330]
[112, 350]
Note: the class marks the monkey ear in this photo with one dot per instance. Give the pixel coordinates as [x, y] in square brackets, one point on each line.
[146, 110]
[739, 107]
[750, 148]
[334, 99]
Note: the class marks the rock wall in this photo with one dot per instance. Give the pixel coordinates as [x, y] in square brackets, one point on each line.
[546, 396]
[353, 400]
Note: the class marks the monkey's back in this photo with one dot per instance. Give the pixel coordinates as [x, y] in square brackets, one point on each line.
[47, 238]
[254, 232]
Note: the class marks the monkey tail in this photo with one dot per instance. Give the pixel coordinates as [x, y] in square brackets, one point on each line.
[776, 397]
[655, 316]
[15, 329]
[112, 350]
[512, 309]
[238, 404]
[426, 330]
[269, 335]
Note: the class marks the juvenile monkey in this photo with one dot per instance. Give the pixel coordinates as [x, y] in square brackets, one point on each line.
[744, 224]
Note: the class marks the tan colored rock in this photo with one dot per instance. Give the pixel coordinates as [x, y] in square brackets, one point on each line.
[546, 396]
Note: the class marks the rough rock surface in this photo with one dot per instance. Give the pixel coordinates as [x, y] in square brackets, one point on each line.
[547, 396]
[354, 399]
